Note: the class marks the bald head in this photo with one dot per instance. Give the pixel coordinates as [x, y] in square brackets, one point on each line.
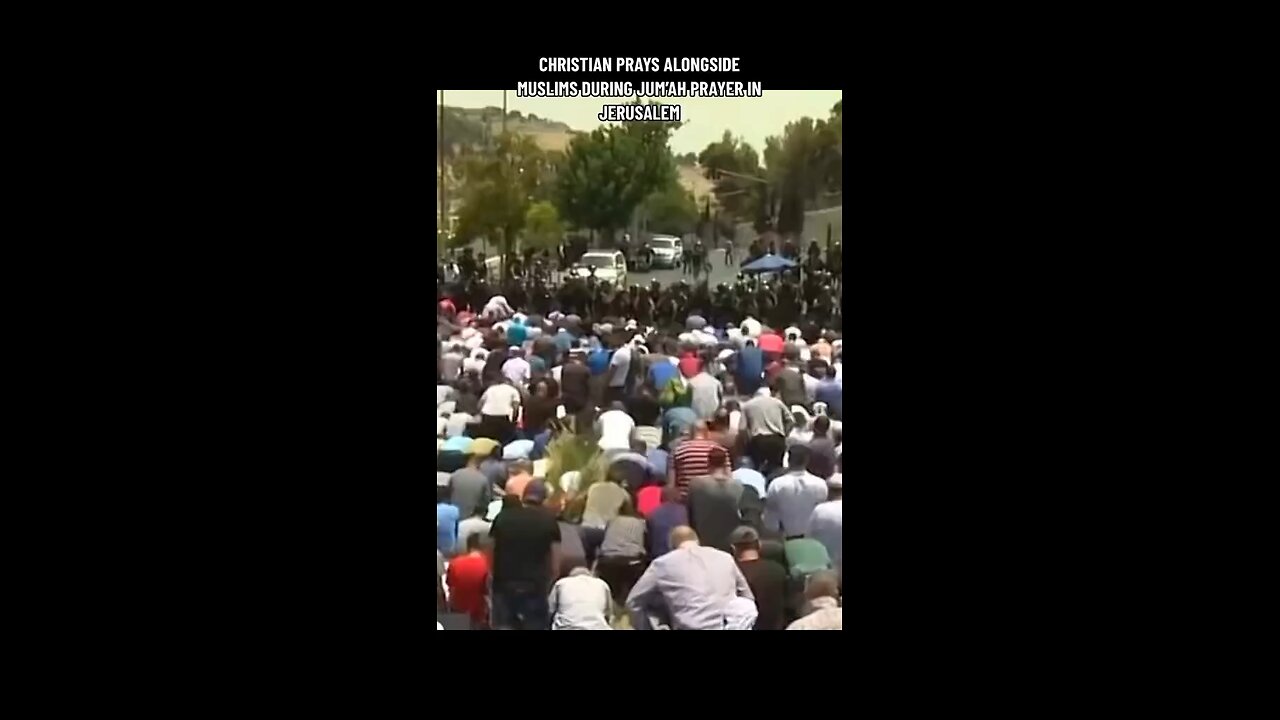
[824, 583]
[682, 534]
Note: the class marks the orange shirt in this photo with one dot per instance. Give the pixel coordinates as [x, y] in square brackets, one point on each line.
[515, 484]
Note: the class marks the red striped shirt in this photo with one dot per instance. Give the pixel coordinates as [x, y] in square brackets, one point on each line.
[693, 458]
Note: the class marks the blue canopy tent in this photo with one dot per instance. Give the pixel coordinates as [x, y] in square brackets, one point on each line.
[768, 263]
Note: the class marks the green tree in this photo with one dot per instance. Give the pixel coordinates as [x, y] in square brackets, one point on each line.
[542, 227]
[803, 166]
[607, 174]
[740, 198]
[671, 211]
[498, 189]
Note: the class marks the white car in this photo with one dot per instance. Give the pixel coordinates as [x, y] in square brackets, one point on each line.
[608, 266]
[667, 251]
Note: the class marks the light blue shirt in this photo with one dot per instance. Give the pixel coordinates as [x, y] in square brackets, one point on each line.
[826, 525]
[446, 528]
[750, 478]
[693, 584]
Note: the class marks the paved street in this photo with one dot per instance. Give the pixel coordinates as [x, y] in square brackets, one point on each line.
[719, 273]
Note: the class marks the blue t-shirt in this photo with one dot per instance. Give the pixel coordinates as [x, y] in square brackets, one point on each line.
[657, 458]
[830, 393]
[540, 442]
[598, 361]
[750, 370]
[664, 519]
[517, 334]
[564, 341]
[677, 420]
[446, 528]
[661, 372]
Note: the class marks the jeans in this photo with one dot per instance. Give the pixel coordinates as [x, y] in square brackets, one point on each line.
[522, 607]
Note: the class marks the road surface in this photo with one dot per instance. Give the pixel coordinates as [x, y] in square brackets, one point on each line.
[719, 273]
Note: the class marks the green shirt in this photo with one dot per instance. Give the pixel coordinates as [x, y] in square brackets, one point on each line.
[806, 556]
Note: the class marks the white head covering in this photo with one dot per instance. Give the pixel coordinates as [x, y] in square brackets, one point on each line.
[569, 481]
[753, 327]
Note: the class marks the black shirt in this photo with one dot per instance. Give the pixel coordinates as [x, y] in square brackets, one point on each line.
[644, 410]
[522, 538]
[792, 385]
[822, 457]
[768, 582]
[539, 411]
[574, 379]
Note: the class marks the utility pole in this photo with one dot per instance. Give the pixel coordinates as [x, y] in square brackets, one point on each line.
[443, 232]
[503, 249]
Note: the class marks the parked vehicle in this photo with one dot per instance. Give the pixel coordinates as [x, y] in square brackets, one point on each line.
[608, 265]
[667, 250]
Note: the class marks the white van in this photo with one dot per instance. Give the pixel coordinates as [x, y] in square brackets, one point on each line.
[608, 265]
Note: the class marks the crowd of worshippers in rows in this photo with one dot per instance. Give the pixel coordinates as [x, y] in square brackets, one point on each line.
[779, 299]
[716, 503]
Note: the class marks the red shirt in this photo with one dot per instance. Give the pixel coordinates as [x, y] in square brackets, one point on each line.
[771, 342]
[690, 365]
[693, 458]
[468, 578]
[648, 499]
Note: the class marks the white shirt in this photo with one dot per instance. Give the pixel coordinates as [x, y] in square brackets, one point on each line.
[790, 501]
[500, 400]
[517, 370]
[615, 430]
[580, 602]
[810, 387]
[619, 365]
[826, 525]
[457, 424]
[497, 307]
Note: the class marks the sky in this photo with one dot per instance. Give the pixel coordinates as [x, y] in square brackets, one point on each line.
[705, 119]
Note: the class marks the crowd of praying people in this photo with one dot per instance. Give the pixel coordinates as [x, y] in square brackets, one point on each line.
[706, 480]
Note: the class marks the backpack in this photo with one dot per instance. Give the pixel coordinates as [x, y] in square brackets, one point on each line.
[675, 393]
